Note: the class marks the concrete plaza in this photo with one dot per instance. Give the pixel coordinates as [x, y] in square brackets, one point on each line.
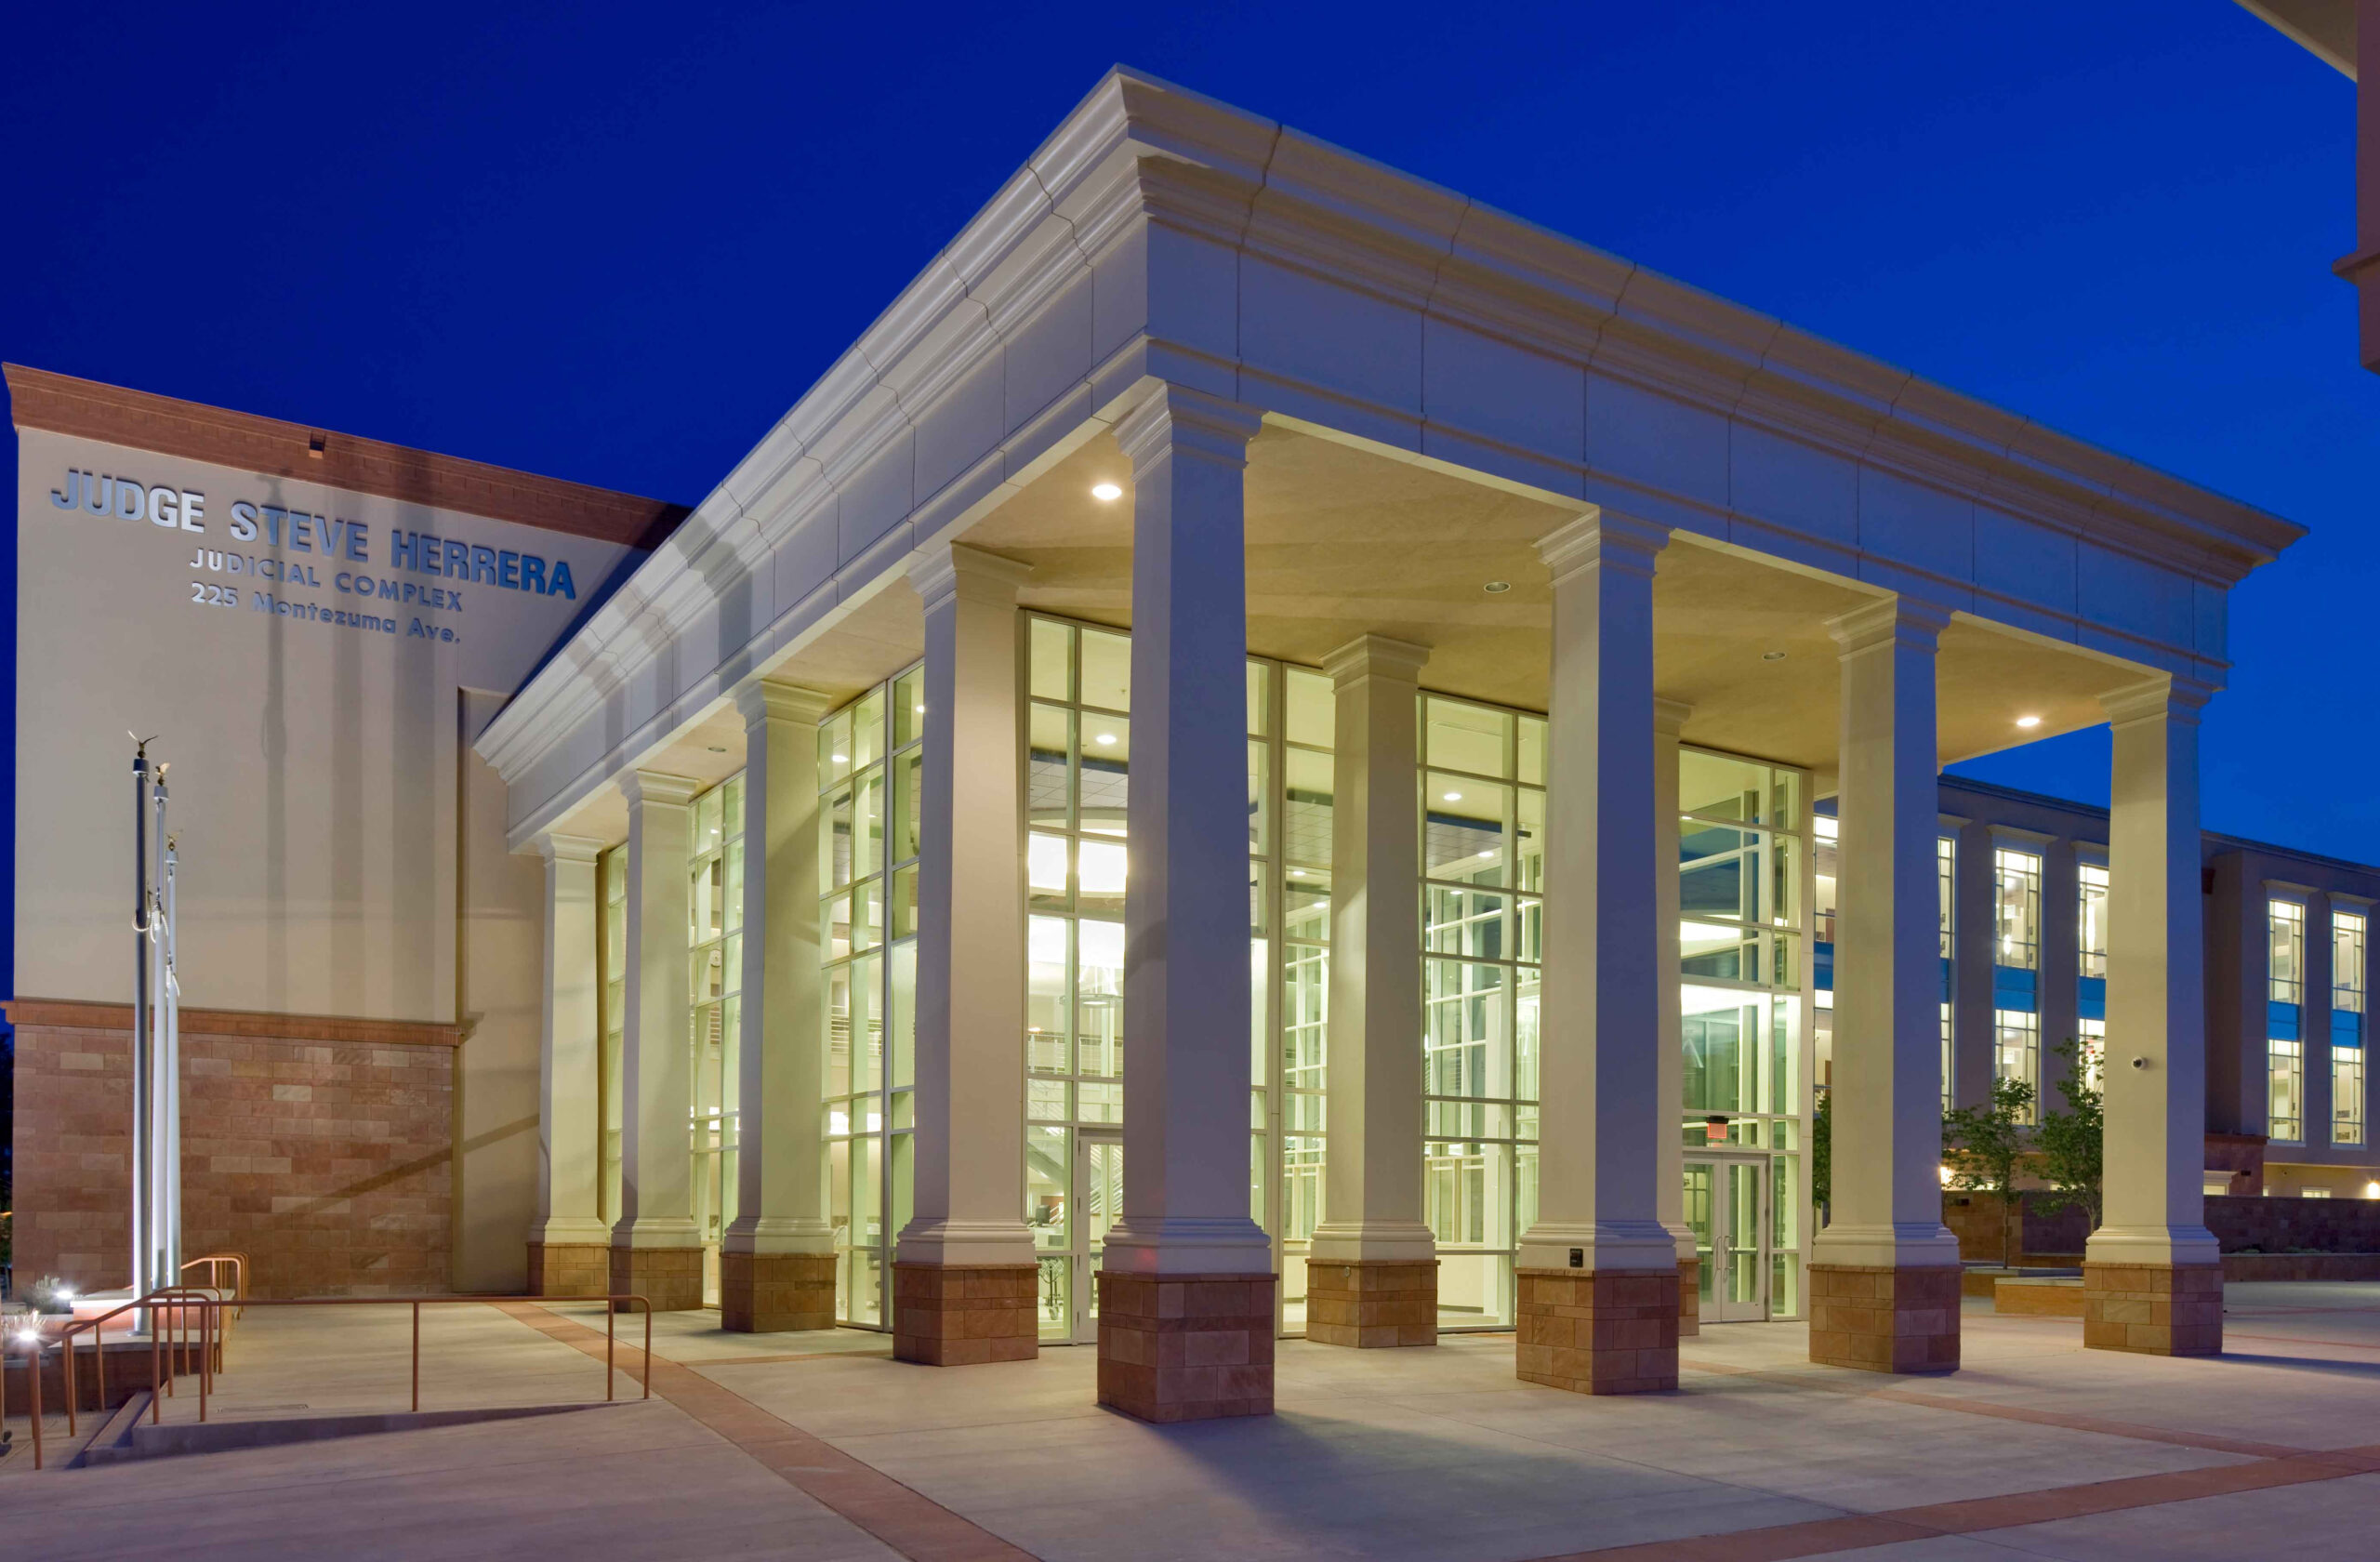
[820, 1446]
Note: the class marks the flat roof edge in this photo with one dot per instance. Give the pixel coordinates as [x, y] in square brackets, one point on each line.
[60, 404]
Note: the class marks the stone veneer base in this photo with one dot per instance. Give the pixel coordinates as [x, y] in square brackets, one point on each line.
[2156, 1309]
[1598, 1331]
[964, 1314]
[766, 1294]
[1372, 1302]
[1186, 1347]
[1882, 1318]
[1689, 1297]
[569, 1268]
[670, 1278]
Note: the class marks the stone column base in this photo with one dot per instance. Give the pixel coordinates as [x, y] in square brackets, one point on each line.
[961, 1315]
[1186, 1347]
[762, 1293]
[1598, 1331]
[2157, 1309]
[1885, 1319]
[672, 1278]
[569, 1268]
[1369, 1303]
[1689, 1297]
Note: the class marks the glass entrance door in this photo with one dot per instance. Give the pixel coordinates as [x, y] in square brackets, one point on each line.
[1099, 1194]
[1075, 1191]
[1727, 1205]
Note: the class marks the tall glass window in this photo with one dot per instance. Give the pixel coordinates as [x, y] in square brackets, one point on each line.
[715, 906]
[1946, 885]
[2015, 979]
[613, 868]
[2347, 930]
[1825, 854]
[870, 765]
[1078, 743]
[1483, 870]
[2284, 1044]
[2091, 992]
[1742, 839]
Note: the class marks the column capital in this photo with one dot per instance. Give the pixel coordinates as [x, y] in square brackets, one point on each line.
[553, 846]
[652, 785]
[945, 570]
[1174, 419]
[764, 698]
[1602, 536]
[1670, 716]
[1372, 656]
[1889, 621]
[2166, 695]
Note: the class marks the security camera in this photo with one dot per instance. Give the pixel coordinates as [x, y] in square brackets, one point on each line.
[2140, 1062]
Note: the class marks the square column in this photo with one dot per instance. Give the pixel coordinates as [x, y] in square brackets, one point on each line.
[656, 1251]
[1373, 1272]
[1669, 720]
[570, 1248]
[963, 1272]
[2152, 1278]
[1885, 1273]
[1598, 1272]
[1186, 1292]
[776, 1259]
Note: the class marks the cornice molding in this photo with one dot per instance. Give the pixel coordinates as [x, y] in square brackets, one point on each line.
[1372, 656]
[2168, 697]
[556, 847]
[1138, 153]
[1603, 537]
[948, 570]
[767, 699]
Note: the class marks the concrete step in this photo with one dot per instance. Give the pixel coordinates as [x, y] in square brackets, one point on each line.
[145, 1441]
[113, 1435]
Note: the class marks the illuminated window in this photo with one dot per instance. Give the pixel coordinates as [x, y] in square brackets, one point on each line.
[2091, 926]
[715, 932]
[2287, 922]
[2347, 930]
[2284, 1034]
[1946, 868]
[2018, 890]
[2015, 1021]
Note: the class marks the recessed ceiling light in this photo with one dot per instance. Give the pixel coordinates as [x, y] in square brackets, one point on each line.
[1488, 852]
[719, 747]
[1105, 737]
[1452, 797]
[2028, 721]
[1497, 588]
[841, 758]
[920, 709]
[1106, 493]
[1772, 656]
[1297, 873]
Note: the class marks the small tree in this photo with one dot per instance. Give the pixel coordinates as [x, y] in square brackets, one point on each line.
[1822, 1154]
[1982, 1146]
[2072, 1143]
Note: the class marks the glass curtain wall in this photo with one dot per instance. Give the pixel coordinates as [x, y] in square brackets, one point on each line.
[1825, 832]
[1078, 744]
[2284, 1032]
[2016, 977]
[2346, 1025]
[1483, 874]
[870, 765]
[1946, 896]
[715, 932]
[2091, 993]
[1744, 868]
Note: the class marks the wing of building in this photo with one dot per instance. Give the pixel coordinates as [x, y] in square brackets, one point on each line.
[1252, 754]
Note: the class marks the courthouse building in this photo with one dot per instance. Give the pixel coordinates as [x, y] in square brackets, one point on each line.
[1271, 751]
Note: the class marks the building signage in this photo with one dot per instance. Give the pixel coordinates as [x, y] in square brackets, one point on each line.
[370, 584]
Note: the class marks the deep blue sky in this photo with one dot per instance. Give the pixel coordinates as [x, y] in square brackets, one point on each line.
[614, 243]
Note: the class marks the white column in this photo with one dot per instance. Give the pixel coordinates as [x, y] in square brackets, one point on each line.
[570, 1132]
[969, 1096]
[1372, 1187]
[1669, 720]
[657, 1082]
[1186, 904]
[1600, 1004]
[2154, 1200]
[1887, 1205]
[780, 1154]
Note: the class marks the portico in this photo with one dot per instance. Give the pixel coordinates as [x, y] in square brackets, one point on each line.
[1318, 692]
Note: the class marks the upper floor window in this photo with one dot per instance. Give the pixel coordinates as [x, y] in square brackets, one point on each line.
[1946, 857]
[2347, 961]
[2286, 919]
[2018, 876]
[2091, 924]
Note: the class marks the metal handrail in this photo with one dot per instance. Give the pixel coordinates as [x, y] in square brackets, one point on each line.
[238, 1263]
